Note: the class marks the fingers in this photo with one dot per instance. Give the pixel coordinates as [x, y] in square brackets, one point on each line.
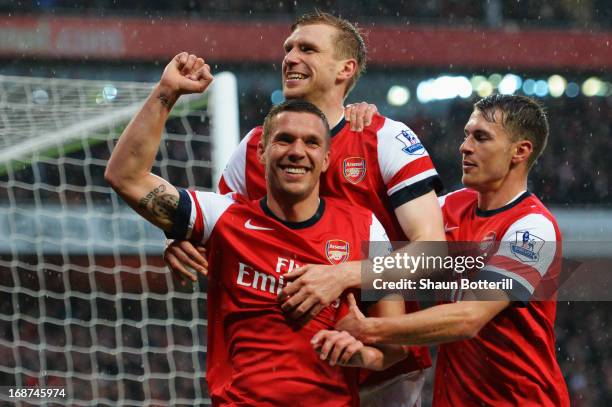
[317, 338]
[177, 268]
[201, 70]
[189, 64]
[296, 273]
[181, 60]
[303, 306]
[360, 115]
[291, 301]
[187, 254]
[351, 300]
[350, 351]
[194, 257]
[302, 309]
[291, 289]
[306, 311]
[335, 346]
[325, 343]
[199, 63]
[353, 306]
[195, 72]
[184, 259]
[198, 81]
[351, 114]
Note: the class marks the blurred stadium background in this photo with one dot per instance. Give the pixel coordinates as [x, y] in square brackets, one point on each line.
[85, 302]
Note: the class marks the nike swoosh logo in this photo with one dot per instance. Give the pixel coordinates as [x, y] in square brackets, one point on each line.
[448, 229]
[249, 225]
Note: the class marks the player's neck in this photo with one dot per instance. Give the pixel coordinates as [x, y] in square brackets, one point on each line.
[496, 198]
[332, 107]
[293, 211]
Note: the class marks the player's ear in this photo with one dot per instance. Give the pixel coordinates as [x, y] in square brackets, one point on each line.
[522, 151]
[260, 152]
[325, 161]
[348, 69]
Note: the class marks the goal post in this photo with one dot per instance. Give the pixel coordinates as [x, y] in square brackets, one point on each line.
[87, 304]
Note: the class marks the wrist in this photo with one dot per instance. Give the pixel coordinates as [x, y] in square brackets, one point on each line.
[370, 332]
[166, 95]
[351, 276]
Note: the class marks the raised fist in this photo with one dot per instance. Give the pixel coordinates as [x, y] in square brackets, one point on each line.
[186, 73]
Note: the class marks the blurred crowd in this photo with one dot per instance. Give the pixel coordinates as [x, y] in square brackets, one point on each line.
[574, 170]
[584, 353]
[573, 13]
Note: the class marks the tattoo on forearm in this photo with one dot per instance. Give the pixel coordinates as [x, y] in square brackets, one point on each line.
[165, 100]
[156, 192]
[164, 206]
[160, 204]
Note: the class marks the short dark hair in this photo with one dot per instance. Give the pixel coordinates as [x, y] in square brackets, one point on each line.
[349, 41]
[522, 117]
[293, 105]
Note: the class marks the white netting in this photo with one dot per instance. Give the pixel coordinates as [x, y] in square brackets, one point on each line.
[86, 303]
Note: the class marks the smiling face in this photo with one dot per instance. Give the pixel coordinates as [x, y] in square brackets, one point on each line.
[310, 66]
[487, 152]
[295, 153]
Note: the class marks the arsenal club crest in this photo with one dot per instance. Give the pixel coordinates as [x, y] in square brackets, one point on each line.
[337, 251]
[487, 242]
[354, 169]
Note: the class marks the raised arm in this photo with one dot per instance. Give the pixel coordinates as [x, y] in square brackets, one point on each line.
[129, 167]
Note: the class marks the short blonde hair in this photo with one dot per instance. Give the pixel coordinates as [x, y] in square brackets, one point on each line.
[349, 41]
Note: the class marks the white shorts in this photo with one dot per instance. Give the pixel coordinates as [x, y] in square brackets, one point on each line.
[401, 391]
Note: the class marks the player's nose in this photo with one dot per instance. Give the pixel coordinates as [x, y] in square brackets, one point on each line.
[297, 149]
[291, 57]
[466, 146]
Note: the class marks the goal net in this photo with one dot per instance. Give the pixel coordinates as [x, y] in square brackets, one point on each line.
[86, 302]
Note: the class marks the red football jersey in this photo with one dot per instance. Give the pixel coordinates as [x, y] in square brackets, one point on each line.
[511, 362]
[380, 168]
[255, 356]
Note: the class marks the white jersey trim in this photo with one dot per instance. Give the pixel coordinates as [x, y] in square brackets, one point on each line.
[234, 173]
[391, 157]
[539, 226]
[379, 241]
[212, 206]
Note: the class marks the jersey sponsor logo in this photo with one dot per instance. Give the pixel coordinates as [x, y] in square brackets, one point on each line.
[354, 169]
[487, 242]
[411, 143]
[526, 247]
[337, 251]
[249, 225]
[258, 280]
